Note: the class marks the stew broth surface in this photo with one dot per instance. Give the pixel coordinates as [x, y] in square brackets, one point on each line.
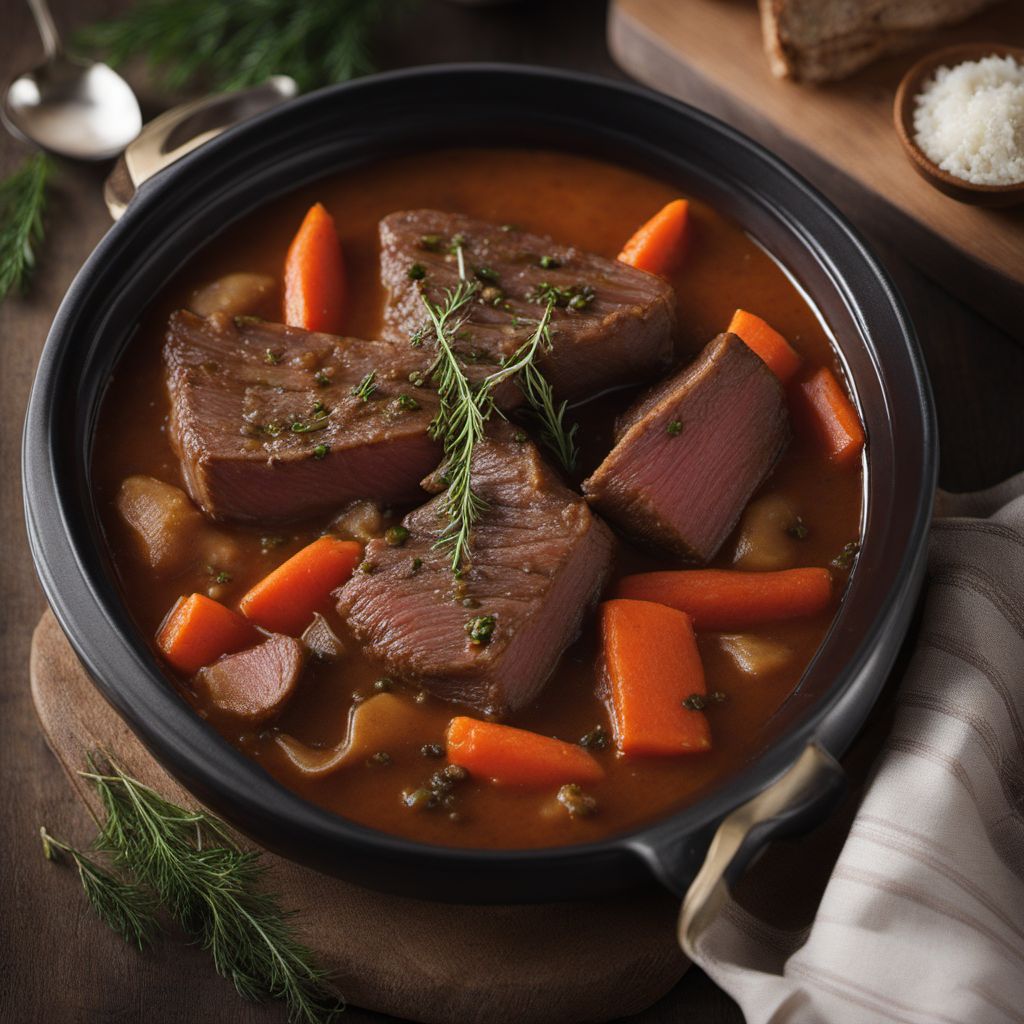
[595, 206]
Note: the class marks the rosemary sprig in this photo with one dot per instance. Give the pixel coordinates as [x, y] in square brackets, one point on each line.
[234, 43]
[522, 365]
[123, 906]
[193, 868]
[22, 200]
[464, 408]
[460, 419]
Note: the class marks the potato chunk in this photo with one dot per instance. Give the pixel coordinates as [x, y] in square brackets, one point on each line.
[171, 535]
[769, 535]
[234, 295]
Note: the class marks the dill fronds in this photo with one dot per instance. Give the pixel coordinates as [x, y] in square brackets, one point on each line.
[22, 201]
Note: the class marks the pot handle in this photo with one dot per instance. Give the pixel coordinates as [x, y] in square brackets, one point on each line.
[183, 128]
[807, 790]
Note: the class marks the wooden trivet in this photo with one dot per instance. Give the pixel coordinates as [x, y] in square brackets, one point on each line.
[417, 960]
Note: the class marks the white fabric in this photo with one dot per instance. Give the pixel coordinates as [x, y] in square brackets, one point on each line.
[922, 917]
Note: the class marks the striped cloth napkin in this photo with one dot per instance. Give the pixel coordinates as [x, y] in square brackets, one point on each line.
[917, 898]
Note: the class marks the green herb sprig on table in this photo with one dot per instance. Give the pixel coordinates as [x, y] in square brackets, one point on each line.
[22, 201]
[230, 44]
[187, 863]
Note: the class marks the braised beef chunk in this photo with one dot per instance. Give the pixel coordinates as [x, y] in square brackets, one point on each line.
[611, 325]
[273, 423]
[492, 637]
[691, 453]
[254, 685]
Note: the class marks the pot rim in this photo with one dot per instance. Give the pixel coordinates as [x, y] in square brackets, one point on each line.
[189, 748]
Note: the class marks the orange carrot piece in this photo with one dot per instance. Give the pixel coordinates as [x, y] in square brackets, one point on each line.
[198, 630]
[314, 275]
[285, 600]
[761, 338]
[832, 416]
[657, 246]
[516, 757]
[731, 599]
[653, 665]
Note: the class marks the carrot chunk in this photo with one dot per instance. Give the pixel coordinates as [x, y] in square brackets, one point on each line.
[286, 600]
[762, 339]
[832, 416]
[658, 245]
[516, 757]
[728, 599]
[653, 666]
[314, 275]
[198, 630]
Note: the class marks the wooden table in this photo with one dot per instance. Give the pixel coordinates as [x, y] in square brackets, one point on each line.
[59, 963]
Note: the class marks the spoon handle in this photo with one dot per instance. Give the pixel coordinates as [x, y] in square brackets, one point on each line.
[47, 29]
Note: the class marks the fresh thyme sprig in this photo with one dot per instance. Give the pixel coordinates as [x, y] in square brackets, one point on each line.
[127, 908]
[193, 868]
[556, 435]
[459, 423]
[234, 43]
[22, 200]
[465, 409]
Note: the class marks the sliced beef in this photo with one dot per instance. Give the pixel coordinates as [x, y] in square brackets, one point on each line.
[253, 686]
[612, 324]
[690, 454]
[539, 560]
[265, 422]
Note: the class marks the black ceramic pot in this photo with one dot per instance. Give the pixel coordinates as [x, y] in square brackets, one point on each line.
[411, 112]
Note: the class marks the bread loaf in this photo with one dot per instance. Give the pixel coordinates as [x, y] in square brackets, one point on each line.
[821, 40]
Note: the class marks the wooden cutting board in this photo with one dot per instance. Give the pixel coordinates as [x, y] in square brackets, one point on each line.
[839, 135]
[420, 961]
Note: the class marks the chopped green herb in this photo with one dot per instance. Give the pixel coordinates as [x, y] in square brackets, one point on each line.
[695, 702]
[396, 536]
[407, 403]
[322, 379]
[432, 750]
[432, 243]
[486, 274]
[480, 629]
[845, 557]
[576, 802]
[574, 298]
[549, 263]
[596, 739]
[272, 357]
[421, 799]
[416, 338]
[321, 451]
[798, 531]
[367, 568]
[520, 437]
[675, 428]
[417, 564]
[219, 575]
[416, 379]
[458, 242]
[366, 387]
[416, 272]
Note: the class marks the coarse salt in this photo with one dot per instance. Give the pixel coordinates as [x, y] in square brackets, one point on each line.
[969, 120]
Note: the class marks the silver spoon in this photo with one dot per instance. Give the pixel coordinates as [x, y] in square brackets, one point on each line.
[82, 110]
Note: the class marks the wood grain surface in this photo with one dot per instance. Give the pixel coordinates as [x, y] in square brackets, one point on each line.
[843, 138]
[59, 964]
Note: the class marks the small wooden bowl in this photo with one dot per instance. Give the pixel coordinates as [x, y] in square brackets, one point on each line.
[903, 117]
